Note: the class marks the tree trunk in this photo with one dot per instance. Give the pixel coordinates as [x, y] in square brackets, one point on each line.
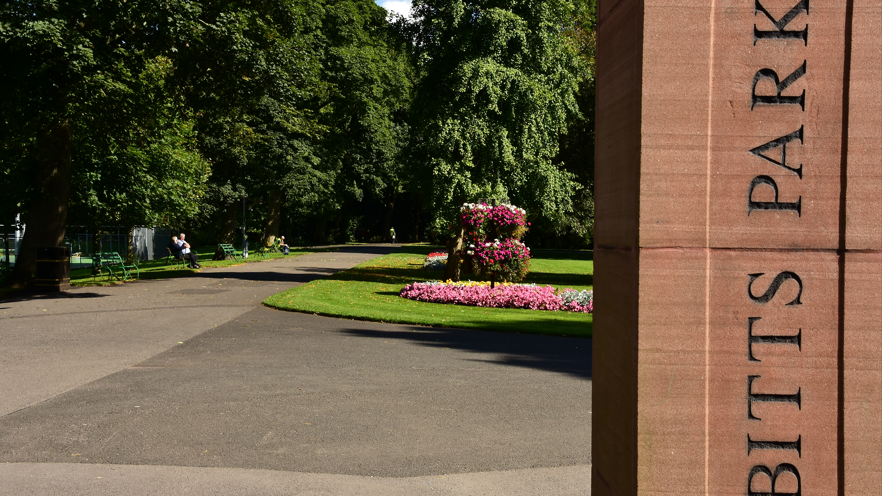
[6, 243]
[229, 217]
[96, 238]
[47, 215]
[451, 272]
[338, 233]
[273, 216]
[390, 206]
[130, 245]
[320, 226]
[416, 227]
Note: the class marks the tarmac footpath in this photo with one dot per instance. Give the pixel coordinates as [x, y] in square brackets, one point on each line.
[191, 386]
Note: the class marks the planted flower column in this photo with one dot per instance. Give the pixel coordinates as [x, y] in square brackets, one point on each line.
[492, 234]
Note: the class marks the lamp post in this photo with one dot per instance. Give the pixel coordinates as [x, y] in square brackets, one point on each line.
[244, 233]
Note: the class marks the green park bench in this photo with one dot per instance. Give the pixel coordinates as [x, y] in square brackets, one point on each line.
[177, 260]
[115, 266]
[229, 252]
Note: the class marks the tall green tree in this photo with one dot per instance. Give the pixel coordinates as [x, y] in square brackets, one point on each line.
[371, 73]
[575, 228]
[251, 75]
[65, 65]
[143, 166]
[497, 89]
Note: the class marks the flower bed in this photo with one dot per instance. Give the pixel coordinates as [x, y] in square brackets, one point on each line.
[436, 261]
[505, 295]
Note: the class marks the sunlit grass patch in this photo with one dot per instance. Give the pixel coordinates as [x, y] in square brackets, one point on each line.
[370, 292]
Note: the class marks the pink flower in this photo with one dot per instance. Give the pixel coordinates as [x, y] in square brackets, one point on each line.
[511, 296]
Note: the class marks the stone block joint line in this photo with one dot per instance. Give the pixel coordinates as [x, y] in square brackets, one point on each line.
[707, 256]
[843, 194]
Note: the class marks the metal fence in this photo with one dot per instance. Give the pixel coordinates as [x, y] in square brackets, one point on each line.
[148, 242]
[10, 234]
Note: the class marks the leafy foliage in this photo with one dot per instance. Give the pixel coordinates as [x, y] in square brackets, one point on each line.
[146, 170]
[497, 89]
[323, 113]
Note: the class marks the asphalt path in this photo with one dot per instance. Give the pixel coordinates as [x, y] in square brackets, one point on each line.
[191, 386]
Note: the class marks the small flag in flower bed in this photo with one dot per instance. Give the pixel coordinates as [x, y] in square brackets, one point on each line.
[505, 295]
[436, 261]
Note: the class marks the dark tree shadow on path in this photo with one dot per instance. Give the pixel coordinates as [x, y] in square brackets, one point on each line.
[571, 356]
[37, 296]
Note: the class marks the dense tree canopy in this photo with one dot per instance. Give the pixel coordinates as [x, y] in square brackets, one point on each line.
[497, 92]
[81, 81]
[330, 119]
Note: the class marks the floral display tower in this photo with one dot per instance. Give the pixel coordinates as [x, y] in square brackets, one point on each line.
[492, 241]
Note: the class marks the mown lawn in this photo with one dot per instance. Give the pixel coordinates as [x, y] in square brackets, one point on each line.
[370, 292]
[159, 269]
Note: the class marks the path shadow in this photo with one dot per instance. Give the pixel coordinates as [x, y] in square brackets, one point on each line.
[559, 280]
[565, 254]
[571, 356]
[36, 296]
[303, 275]
[297, 274]
[373, 250]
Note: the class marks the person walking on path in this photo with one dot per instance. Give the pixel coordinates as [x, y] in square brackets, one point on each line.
[392, 235]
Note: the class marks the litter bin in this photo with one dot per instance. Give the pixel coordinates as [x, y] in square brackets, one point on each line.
[53, 269]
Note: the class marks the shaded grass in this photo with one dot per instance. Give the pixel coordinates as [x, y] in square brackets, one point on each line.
[160, 269]
[370, 291]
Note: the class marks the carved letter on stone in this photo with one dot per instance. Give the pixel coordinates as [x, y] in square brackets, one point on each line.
[773, 478]
[751, 339]
[780, 33]
[780, 86]
[775, 445]
[768, 398]
[773, 288]
[772, 205]
[781, 143]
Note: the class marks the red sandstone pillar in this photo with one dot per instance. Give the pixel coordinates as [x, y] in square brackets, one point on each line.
[738, 250]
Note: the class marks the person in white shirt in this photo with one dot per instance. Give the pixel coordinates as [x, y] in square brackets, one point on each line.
[191, 257]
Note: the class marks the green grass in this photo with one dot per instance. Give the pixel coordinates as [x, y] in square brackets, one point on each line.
[158, 269]
[370, 292]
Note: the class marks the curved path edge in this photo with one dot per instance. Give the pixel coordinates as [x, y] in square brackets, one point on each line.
[100, 480]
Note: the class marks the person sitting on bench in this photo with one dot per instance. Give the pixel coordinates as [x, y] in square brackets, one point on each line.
[191, 257]
[177, 249]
